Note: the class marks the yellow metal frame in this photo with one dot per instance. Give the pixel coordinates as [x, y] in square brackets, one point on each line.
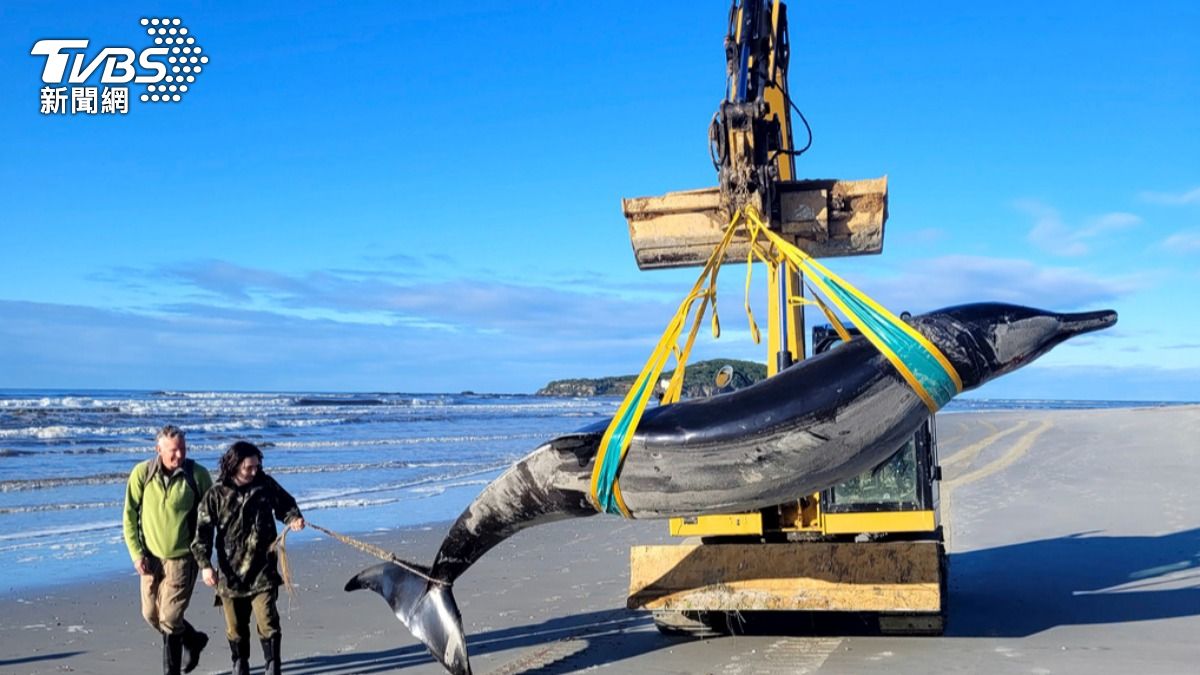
[751, 524]
[794, 314]
[776, 98]
[880, 521]
[731, 524]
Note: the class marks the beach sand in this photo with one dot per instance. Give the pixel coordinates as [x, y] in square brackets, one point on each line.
[1074, 538]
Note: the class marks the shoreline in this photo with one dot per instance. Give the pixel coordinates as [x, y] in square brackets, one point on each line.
[299, 545]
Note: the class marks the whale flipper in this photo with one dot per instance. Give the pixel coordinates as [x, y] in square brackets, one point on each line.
[425, 607]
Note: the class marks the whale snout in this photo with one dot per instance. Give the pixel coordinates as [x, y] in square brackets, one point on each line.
[1011, 335]
[1086, 322]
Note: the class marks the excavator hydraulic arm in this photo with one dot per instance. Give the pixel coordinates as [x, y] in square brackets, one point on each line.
[750, 142]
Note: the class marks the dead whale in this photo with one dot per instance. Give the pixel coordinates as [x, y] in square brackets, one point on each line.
[824, 420]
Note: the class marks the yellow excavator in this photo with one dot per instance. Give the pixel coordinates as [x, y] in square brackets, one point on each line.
[870, 547]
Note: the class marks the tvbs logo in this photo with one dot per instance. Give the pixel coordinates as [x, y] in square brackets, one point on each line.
[168, 68]
[118, 63]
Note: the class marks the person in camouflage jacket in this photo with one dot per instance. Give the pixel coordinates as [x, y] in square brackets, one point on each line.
[241, 510]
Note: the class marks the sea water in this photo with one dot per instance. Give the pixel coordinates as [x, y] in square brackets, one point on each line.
[355, 462]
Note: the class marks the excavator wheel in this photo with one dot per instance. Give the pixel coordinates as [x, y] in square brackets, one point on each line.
[912, 624]
[680, 623]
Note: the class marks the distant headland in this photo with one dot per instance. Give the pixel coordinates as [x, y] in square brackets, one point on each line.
[698, 380]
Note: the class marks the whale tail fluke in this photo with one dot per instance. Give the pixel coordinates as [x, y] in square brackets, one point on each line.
[426, 608]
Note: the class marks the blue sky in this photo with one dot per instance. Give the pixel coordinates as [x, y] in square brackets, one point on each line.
[394, 196]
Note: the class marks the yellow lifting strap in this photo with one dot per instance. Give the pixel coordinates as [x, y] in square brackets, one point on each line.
[605, 493]
[917, 360]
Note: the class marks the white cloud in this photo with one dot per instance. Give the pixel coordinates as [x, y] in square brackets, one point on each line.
[1050, 233]
[1182, 242]
[468, 304]
[259, 329]
[949, 280]
[1173, 198]
[1110, 222]
[206, 347]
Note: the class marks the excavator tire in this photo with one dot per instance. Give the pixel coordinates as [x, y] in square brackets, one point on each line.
[679, 623]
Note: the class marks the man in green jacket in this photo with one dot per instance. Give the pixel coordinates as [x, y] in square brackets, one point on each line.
[161, 502]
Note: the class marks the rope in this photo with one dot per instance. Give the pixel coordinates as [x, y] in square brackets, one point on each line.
[286, 571]
[285, 568]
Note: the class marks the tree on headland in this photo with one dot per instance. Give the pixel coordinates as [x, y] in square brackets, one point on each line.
[698, 380]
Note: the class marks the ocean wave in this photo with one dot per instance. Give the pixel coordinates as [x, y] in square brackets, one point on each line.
[363, 466]
[44, 508]
[318, 401]
[61, 530]
[442, 487]
[145, 449]
[116, 478]
[335, 493]
[75, 403]
[43, 411]
[200, 447]
[323, 499]
[205, 408]
[103, 450]
[207, 395]
[242, 399]
[19, 484]
[422, 440]
[320, 504]
[44, 483]
[328, 499]
[45, 433]
[424, 491]
[60, 432]
[54, 420]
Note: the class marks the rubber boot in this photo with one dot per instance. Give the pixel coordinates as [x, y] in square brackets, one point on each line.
[172, 654]
[271, 654]
[194, 642]
[239, 650]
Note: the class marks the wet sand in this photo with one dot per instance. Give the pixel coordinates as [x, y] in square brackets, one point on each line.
[1074, 539]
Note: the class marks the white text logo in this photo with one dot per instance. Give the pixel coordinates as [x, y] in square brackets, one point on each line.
[168, 69]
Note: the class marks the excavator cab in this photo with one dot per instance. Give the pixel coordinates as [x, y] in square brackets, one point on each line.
[900, 495]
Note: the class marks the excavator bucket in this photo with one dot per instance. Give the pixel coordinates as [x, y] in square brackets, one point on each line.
[824, 218]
